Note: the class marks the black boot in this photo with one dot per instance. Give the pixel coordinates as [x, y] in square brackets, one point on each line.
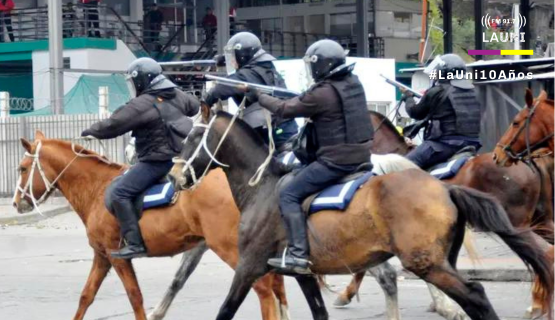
[295, 260]
[129, 225]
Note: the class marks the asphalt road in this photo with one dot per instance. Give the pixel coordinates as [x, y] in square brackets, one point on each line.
[44, 266]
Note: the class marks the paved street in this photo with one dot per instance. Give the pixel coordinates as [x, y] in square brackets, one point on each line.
[43, 267]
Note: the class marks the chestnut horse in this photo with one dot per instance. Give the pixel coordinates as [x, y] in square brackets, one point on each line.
[525, 195]
[409, 214]
[204, 217]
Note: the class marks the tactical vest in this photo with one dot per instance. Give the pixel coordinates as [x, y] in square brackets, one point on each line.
[358, 126]
[467, 112]
[253, 114]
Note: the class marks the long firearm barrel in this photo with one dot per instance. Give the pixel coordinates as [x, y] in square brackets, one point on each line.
[400, 85]
[190, 63]
[273, 91]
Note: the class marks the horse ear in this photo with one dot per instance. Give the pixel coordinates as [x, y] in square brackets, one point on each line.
[542, 96]
[529, 98]
[39, 135]
[205, 111]
[26, 144]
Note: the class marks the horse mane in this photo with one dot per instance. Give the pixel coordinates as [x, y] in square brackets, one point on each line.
[89, 153]
[386, 122]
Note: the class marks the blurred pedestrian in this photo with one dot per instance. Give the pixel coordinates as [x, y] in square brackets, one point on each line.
[91, 17]
[6, 7]
[209, 23]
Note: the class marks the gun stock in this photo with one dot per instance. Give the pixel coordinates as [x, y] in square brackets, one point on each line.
[273, 91]
[400, 85]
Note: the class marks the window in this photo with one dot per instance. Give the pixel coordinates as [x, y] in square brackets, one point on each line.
[342, 24]
[316, 24]
[256, 3]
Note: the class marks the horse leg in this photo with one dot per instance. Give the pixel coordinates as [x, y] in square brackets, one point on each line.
[386, 276]
[126, 273]
[99, 270]
[279, 291]
[469, 295]
[350, 291]
[246, 274]
[313, 294]
[269, 303]
[189, 263]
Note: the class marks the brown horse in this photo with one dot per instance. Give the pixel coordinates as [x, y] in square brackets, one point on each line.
[526, 196]
[409, 214]
[207, 214]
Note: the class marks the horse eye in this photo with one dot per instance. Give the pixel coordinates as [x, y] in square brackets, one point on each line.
[22, 169]
[515, 124]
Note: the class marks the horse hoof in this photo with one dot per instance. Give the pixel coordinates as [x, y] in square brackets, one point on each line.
[153, 316]
[341, 302]
[533, 313]
[432, 308]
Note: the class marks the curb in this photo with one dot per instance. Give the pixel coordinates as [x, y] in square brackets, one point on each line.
[33, 217]
[495, 275]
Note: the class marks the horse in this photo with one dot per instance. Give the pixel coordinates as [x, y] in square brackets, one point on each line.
[426, 235]
[525, 195]
[204, 218]
[531, 129]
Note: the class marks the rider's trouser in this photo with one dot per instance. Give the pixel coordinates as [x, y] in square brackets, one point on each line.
[308, 181]
[430, 153]
[132, 184]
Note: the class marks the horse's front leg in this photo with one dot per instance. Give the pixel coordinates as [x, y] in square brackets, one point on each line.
[246, 273]
[313, 294]
[99, 270]
[189, 263]
[126, 273]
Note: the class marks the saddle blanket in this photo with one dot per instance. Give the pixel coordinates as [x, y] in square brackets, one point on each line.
[289, 158]
[159, 195]
[339, 196]
[448, 169]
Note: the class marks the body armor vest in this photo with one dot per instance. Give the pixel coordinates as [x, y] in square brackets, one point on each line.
[467, 112]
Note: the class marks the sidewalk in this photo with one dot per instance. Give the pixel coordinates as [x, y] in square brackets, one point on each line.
[9, 215]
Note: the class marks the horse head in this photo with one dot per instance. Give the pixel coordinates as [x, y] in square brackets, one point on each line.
[528, 132]
[34, 176]
[196, 159]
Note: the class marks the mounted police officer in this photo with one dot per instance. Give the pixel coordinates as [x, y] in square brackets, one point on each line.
[158, 102]
[250, 63]
[336, 105]
[450, 111]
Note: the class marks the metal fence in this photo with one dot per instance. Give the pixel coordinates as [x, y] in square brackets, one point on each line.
[66, 127]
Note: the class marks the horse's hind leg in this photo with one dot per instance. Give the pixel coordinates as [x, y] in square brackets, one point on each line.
[386, 276]
[469, 295]
[189, 263]
[126, 273]
[269, 303]
[279, 291]
[313, 294]
[350, 291]
[99, 270]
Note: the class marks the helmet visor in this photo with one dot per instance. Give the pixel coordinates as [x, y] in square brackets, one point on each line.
[436, 64]
[231, 64]
[131, 85]
[308, 61]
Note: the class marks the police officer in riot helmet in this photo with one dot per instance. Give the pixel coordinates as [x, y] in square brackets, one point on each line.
[336, 105]
[247, 61]
[157, 101]
[450, 112]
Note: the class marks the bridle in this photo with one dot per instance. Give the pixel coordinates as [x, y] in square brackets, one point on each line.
[525, 155]
[27, 190]
[203, 145]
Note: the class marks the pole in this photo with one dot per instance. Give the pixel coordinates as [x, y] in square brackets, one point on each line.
[448, 26]
[516, 26]
[525, 12]
[362, 28]
[103, 102]
[4, 105]
[222, 14]
[478, 27]
[55, 50]
[423, 27]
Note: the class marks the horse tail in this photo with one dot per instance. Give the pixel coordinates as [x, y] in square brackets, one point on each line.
[484, 212]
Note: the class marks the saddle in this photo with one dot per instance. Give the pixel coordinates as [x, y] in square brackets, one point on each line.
[335, 197]
[451, 167]
[159, 195]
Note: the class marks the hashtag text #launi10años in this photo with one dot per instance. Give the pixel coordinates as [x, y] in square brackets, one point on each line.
[482, 75]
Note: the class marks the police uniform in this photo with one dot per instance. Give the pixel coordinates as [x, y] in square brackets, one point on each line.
[453, 113]
[255, 66]
[143, 117]
[337, 107]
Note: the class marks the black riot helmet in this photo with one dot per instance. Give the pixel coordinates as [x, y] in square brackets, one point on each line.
[146, 75]
[244, 48]
[324, 59]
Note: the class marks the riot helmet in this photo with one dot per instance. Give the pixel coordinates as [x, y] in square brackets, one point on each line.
[450, 64]
[324, 59]
[145, 74]
[242, 49]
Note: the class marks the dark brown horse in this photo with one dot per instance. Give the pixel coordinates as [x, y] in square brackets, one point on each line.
[206, 217]
[408, 214]
[525, 195]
